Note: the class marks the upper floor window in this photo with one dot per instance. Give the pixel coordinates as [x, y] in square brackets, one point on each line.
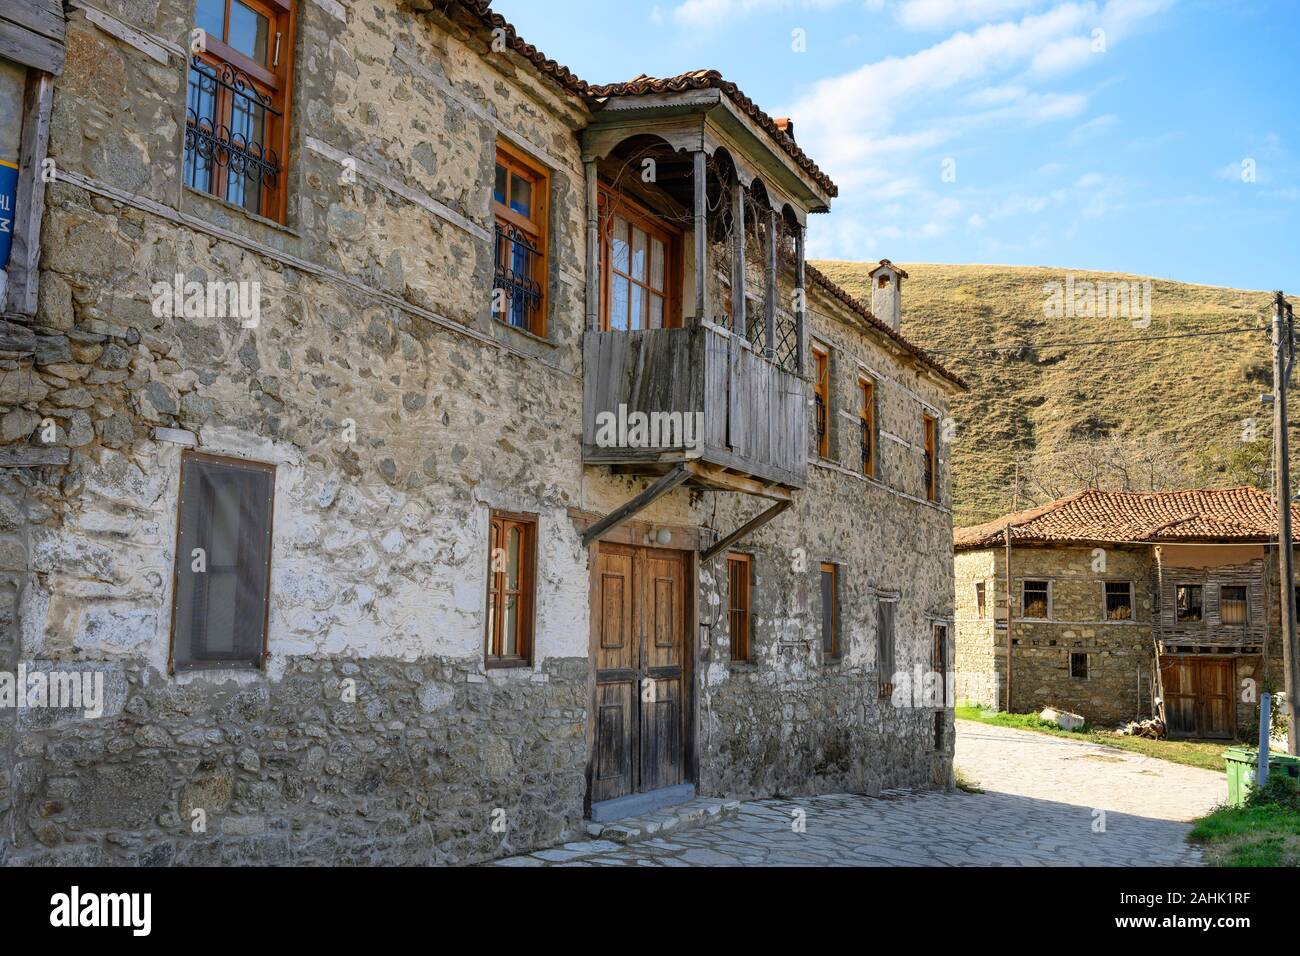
[640, 265]
[1187, 602]
[223, 563]
[980, 600]
[738, 605]
[1232, 604]
[1035, 599]
[930, 461]
[237, 103]
[512, 555]
[1119, 600]
[867, 426]
[885, 647]
[520, 193]
[822, 399]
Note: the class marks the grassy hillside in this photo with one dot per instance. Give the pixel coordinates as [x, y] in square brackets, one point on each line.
[1160, 413]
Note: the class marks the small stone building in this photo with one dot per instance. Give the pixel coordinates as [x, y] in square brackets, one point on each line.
[1124, 605]
[428, 450]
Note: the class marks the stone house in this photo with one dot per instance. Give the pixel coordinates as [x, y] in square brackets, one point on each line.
[427, 450]
[1124, 605]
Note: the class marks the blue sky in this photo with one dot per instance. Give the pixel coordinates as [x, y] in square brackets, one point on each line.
[1157, 137]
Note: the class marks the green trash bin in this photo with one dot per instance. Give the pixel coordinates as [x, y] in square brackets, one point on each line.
[1242, 763]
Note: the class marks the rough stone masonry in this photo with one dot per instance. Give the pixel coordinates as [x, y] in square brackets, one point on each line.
[398, 413]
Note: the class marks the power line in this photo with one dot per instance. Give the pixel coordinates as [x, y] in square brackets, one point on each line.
[1070, 344]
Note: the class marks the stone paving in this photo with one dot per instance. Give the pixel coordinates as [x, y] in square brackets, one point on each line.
[1047, 802]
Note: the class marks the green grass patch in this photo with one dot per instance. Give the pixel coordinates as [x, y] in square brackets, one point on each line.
[1208, 755]
[1253, 835]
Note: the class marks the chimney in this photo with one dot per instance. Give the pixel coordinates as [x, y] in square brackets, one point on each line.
[786, 125]
[887, 293]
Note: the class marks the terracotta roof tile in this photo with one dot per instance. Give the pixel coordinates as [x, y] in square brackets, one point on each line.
[1199, 514]
[693, 80]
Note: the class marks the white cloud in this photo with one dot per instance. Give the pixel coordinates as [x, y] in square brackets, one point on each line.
[944, 14]
[707, 14]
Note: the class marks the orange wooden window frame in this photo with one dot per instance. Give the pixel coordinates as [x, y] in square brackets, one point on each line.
[738, 605]
[269, 79]
[821, 387]
[932, 488]
[518, 163]
[867, 413]
[834, 571]
[500, 525]
[611, 204]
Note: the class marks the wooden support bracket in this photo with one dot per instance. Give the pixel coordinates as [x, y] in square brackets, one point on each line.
[656, 491]
[753, 524]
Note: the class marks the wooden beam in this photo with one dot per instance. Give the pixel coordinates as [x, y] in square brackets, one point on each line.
[801, 294]
[701, 237]
[593, 245]
[30, 456]
[718, 477]
[738, 266]
[656, 491]
[753, 524]
[30, 49]
[25, 252]
[769, 311]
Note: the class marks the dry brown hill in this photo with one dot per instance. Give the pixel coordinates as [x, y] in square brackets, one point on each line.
[1042, 418]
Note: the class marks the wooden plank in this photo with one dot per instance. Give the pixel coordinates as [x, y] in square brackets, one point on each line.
[30, 49]
[25, 252]
[647, 497]
[43, 17]
[701, 237]
[32, 456]
[128, 35]
[750, 526]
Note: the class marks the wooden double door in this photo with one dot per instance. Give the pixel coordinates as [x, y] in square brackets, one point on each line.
[640, 649]
[1198, 693]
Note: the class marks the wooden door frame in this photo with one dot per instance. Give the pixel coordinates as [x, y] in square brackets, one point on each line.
[690, 758]
[1197, 694]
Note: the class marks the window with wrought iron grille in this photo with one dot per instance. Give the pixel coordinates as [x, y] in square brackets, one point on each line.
[237, 102]
[520, 191]
[867, 427]
[822, 399]
[738, 605]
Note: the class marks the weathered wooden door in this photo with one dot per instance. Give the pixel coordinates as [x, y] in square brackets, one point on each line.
[1198, 696]
[640, 644]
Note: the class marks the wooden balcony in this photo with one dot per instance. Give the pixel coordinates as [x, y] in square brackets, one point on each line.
[752, 414]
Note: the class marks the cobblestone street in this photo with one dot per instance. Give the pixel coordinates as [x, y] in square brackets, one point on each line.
[1045, 803]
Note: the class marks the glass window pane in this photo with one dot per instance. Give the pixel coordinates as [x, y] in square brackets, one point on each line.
[618, 244]
[521, 196]
[656, 311]
[499, 188]
[639, 241]
[656, 265]
[512, 560]
[618, 304]
[510, 626]
[210, 15]
[637, 310]
[248, 31]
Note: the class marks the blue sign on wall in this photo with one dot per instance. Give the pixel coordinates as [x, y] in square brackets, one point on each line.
[8, 196]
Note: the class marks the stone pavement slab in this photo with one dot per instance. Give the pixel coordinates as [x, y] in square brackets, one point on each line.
[1048, 801]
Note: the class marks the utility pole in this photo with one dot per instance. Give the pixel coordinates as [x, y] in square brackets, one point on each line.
[1283, 360]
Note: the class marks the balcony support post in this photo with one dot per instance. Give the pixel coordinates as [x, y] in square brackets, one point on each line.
[738, 267]
[753, 524]
[622, 513]
[801, 296]
[769, 316]
[701, 236]
[593, 245]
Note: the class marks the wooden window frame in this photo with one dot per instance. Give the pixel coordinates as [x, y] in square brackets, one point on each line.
[1105, 601]
[275, 80]
[739, 569]
[885, 681]
[834, 570]
[189, 455]
[867, 416]
[23, 271]
[536, 227]
[821, 367]
[1024, 591]
[1087, 665]
[493, 639]
[611, 204]
[939, 653]
[930, 458]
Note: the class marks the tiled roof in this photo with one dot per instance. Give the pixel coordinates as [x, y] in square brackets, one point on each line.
[694, 80]
[819, 278]
[1200, 514]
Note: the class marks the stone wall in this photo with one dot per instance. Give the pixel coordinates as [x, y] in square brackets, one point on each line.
[397, 414]
[980, 651]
